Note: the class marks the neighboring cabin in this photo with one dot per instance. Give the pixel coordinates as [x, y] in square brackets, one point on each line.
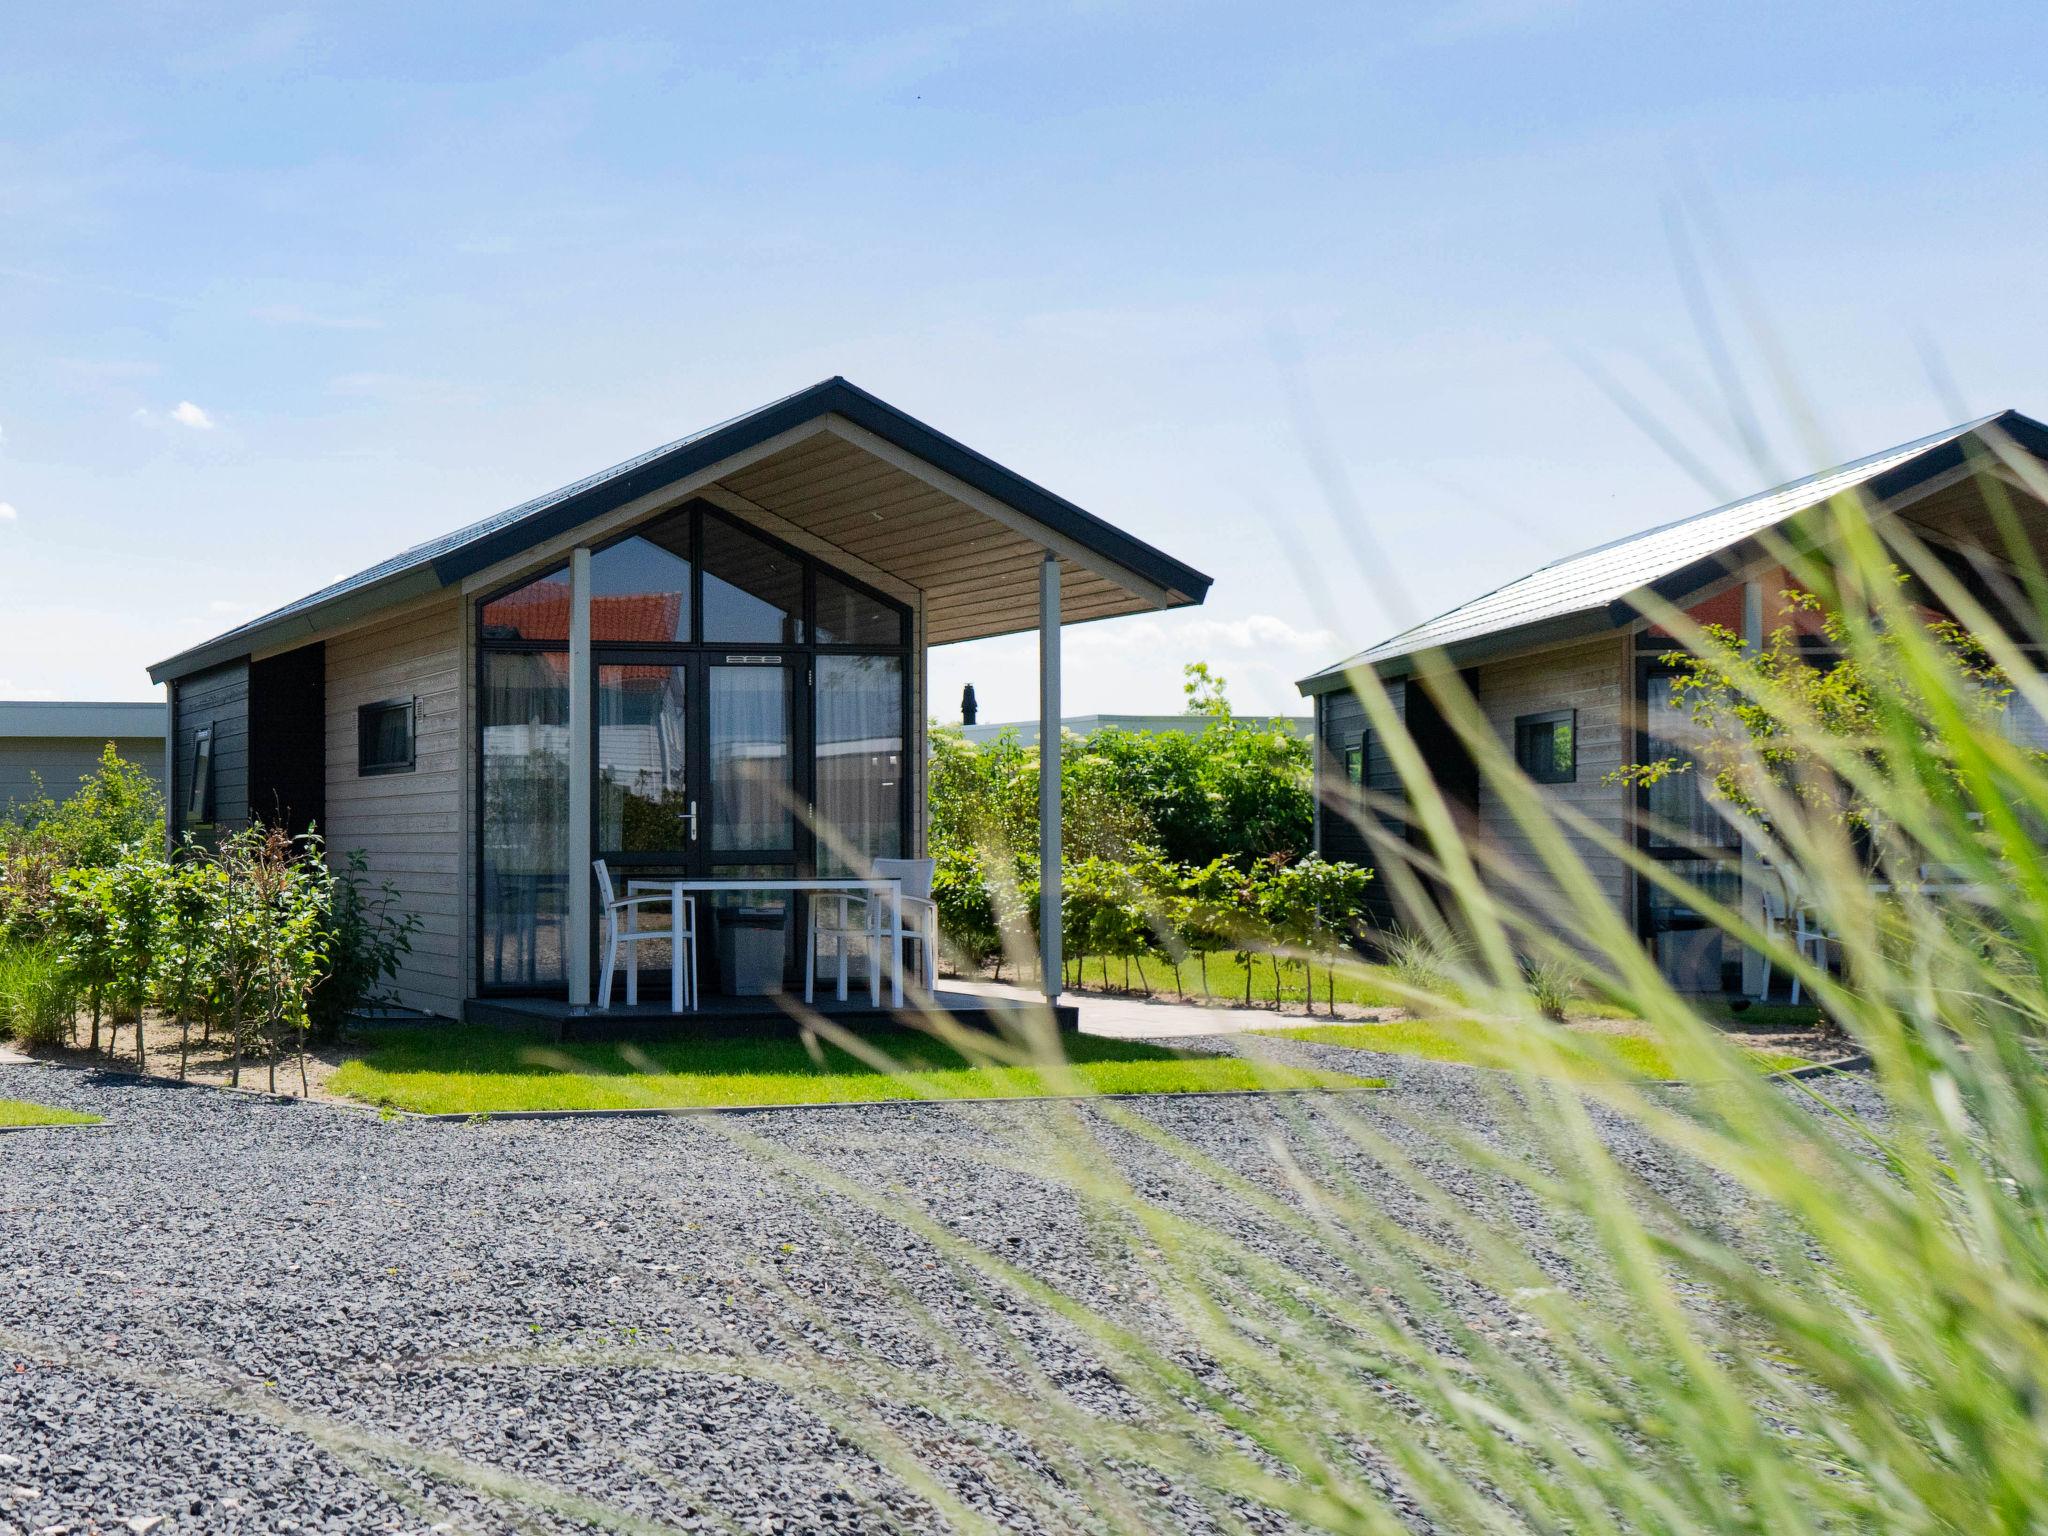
[47, 747]
[1576, 683]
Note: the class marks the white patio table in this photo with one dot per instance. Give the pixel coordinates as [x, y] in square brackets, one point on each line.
[891, 892]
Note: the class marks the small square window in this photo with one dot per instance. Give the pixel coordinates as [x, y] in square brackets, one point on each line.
[384, 737]
[1354, 765]
[1547, 746]
[199, 797]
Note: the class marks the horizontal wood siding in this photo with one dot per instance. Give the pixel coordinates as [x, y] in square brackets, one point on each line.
[53, 765]
[216, 698]
[1594, 680]
[408, 825]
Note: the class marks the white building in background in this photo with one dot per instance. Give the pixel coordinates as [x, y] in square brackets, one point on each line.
[55, 744]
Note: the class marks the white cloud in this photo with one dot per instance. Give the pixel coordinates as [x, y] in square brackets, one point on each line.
[8, 513]
[186, 414]
[1261, 632]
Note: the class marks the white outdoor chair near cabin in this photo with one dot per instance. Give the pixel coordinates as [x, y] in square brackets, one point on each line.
[920, 912]
[620, 935]
[1785, 916]
[833, 920]
[850, 920]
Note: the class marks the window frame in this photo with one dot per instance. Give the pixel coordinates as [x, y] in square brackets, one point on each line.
[199, 810]
[1549, 772]
[366, 768]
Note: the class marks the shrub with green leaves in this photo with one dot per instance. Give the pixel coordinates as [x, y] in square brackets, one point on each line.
[269, 941]
[366, 939]
[114, 808]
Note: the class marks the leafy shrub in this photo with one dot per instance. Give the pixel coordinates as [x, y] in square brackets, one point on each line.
[366, 939]
[269, 940]
[116, 807]
[1237, 790]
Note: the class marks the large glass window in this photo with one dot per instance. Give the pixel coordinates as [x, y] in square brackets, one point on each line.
[640, 587]
[643, 789]
[525, 816]
[537, 611]
[849, 616]
[753, 591]
[1678, 811]
[860, 761]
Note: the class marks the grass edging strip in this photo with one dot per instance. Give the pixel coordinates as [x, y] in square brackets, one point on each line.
[100, 1124]
[655, 1112]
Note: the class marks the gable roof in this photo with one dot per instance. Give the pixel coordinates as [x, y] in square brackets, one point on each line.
[444, 561]
[1590, 591]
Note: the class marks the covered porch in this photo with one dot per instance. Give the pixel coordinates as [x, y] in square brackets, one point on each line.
[722, 678]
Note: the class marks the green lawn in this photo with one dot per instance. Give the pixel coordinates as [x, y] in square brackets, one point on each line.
[484, 1071]
[1459, 1040]
[21, 1112]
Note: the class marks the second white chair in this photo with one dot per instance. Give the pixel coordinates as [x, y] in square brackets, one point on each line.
[1795, 920]
[853, 919]
[681, 932]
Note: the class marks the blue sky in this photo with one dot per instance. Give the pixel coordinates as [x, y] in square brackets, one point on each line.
[1333, 302]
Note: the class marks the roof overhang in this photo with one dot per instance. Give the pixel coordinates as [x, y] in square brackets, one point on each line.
[831, 462]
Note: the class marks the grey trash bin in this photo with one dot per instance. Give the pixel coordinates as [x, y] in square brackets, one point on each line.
[750, 949]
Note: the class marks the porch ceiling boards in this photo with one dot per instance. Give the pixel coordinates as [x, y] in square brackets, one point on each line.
[979, 577]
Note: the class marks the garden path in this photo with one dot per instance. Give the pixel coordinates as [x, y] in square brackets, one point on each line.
[1137, 1018]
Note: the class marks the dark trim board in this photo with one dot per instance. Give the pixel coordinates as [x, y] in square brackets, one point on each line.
[740, 1017]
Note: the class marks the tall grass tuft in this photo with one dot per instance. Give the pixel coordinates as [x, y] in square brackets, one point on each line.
[36, 1003]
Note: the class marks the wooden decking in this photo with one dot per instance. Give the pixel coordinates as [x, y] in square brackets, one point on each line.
[779, 1014]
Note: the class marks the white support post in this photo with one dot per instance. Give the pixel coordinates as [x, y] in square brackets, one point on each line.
[1049, 776]
[581, 718]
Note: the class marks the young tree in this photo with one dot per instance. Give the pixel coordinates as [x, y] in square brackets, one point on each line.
[1770, 717]
[82, 923]
[183, 976]
[269, 942]
[132, 892]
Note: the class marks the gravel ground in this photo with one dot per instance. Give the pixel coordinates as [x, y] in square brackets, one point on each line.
[219, 1312]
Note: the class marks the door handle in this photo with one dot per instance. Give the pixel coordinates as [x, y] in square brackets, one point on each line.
[693, 821]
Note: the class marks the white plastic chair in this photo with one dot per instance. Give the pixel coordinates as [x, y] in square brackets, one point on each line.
[913, 879]
[681, 933]
[920, 912]
[1809, 938]
[842, 933]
